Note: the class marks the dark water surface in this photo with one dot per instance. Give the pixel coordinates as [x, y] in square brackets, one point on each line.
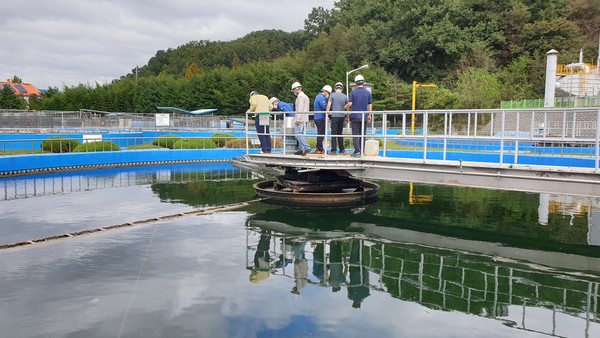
[422, 261]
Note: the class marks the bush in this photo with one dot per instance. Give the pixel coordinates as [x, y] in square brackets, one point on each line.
[58, 144]
[240, 143]
[96, 146]
[221, 139]
[194, 143]
[166, 141]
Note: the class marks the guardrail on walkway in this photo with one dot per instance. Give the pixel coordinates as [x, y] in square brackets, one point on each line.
[568, 134]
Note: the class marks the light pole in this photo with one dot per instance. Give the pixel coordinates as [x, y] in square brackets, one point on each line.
[351, 71]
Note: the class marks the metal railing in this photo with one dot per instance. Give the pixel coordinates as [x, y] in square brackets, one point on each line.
[443, 279]
[553, 132]
[436, 135]
[45, 121]
[24, 188]
[112, 142]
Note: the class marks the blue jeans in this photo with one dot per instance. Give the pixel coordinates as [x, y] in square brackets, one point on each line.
[299, 133]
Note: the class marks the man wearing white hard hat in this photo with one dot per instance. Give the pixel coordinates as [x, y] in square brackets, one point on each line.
[302, 109]
[260, 105]
[337, 102]
[320, 105]
[360, 103]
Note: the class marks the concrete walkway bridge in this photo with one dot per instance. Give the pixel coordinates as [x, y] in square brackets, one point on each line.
[535, 150]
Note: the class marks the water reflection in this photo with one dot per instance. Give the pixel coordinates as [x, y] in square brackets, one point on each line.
[470, 277]
[81, 181]
[423, 261]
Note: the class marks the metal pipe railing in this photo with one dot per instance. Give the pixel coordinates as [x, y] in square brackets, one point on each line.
[562, 132]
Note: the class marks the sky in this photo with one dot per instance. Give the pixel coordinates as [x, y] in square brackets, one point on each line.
[64, 43]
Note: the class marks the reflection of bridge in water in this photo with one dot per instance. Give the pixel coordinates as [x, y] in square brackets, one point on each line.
[521, 293]
[42, 185]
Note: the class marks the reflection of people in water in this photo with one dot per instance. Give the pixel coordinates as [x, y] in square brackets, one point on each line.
[358, 287]
[336, 266]
[300, 268]
[319, 262]
[262, 259]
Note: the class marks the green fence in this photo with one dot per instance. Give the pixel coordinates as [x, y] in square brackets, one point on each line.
[561, 102]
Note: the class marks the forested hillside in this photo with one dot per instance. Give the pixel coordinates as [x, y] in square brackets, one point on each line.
[478, 52]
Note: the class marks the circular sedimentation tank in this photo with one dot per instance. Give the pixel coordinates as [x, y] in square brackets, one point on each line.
[279, 192]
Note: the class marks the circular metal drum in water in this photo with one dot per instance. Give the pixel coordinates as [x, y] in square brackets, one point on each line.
[367, 191]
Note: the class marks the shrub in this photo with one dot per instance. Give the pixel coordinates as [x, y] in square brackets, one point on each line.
[166, 141]
[240, 143]
[96, 146]
[194, 143]
[221, 139]
[58, 144]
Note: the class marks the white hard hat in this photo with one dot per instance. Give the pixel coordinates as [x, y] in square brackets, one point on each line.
[273, 99]
[338, 85]
[359, 78]
[326, 88]
[296, 85]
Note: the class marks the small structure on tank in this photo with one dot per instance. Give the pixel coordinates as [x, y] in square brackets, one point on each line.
[316, 188]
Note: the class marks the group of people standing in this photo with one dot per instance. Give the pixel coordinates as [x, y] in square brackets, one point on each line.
[333, 270]
[330, 103]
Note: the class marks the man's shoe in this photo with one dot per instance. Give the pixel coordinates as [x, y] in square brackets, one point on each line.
[299, 152]
[320, 152]
[356, 155]
[342, 152]
[306, 152]
[332, 152]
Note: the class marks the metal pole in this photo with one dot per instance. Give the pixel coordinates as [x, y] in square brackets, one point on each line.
[551, 61]
[596, 168]
[502, 138]
[347, 89]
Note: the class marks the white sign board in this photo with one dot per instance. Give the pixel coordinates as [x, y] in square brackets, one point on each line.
[162, 120]
[92, 138]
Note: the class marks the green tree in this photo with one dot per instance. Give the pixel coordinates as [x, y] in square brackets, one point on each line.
[478, 89]
[16, 79]
[320, 20]
[8, 99]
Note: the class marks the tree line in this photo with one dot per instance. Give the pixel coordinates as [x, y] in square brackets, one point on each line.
[478, 52]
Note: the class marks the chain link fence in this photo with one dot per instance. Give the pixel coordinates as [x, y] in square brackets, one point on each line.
[15, 121]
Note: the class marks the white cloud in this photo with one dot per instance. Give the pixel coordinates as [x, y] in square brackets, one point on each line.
[57, 43]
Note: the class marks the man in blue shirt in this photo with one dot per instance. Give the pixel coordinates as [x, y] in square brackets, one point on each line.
[288, 109]
[320, 105]
[361, 104]
[283, 106]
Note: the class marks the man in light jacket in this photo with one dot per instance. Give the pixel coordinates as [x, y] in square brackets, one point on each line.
[302, 109]
[260, 105]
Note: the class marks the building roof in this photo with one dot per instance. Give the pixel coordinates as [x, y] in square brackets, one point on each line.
[21, 89]
[182, 111]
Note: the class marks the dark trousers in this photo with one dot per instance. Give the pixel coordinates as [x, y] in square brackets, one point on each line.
[320, 131]
[263, 136]
[337, 128]
[356, 125]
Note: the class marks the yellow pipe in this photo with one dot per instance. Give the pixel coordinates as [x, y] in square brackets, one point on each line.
[414, 107]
